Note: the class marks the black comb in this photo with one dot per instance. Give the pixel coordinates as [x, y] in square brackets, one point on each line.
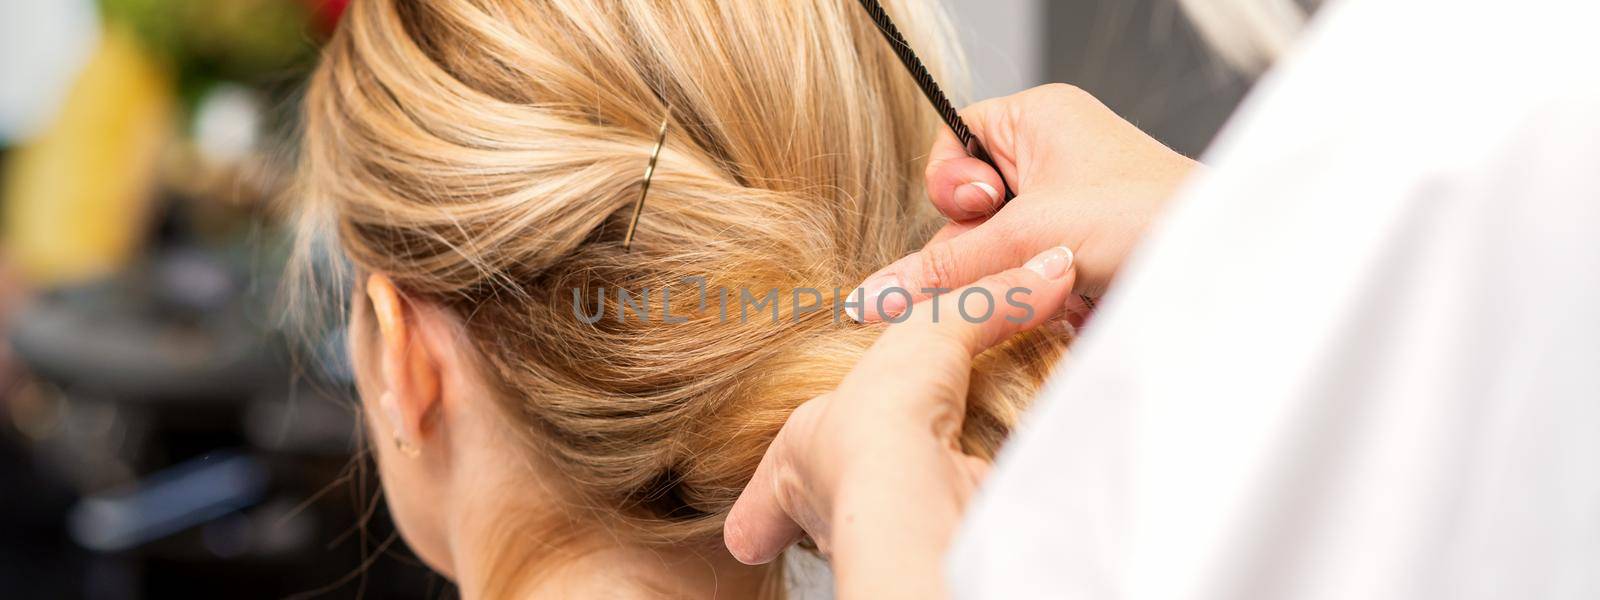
[930, 88]
[941, 103]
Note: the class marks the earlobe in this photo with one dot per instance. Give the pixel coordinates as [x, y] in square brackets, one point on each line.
[390, 406]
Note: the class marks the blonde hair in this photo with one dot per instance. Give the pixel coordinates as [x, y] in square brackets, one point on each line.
[486, 154]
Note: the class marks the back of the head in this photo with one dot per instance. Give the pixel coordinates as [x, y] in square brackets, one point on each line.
[486, 155]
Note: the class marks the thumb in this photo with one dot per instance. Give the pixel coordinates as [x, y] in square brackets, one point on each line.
[760, 525]
[960, 186]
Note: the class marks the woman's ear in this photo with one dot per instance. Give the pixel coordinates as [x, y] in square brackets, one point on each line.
[407, 371]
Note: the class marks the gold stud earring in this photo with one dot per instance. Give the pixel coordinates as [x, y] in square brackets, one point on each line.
[407, 448]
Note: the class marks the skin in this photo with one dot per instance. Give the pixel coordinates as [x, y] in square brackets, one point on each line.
[452, 491]
[872, 471]
[1084, 178]
[837, 473]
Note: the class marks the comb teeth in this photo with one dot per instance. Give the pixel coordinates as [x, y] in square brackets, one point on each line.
[930, 88]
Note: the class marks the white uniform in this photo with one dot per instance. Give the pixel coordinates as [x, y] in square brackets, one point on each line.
[1360, 357]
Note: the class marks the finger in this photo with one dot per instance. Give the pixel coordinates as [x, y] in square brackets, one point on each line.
[1077, 311]
[990, 247]
[998, 306]
[758, 529]
[953, 229]
[973, 318]
[960, 186]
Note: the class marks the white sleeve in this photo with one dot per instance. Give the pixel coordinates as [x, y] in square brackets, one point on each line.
[1360, 358]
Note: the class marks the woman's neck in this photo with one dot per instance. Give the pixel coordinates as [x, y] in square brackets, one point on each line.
[638, 573]
[502, 556]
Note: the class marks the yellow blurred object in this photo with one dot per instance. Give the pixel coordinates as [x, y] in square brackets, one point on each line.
[77, 198]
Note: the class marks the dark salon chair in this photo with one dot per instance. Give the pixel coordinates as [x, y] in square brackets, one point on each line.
[195, 455]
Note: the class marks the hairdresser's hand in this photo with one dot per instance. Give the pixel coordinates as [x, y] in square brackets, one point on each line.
[1084, 178]
[874, 471]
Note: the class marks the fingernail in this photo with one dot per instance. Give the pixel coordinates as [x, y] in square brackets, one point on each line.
[868, 294]
[971, 197]
[1052, 263]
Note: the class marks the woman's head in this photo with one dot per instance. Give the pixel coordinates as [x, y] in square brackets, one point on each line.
[476, 162]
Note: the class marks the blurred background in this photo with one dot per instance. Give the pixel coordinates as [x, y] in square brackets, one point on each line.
[158, 437]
